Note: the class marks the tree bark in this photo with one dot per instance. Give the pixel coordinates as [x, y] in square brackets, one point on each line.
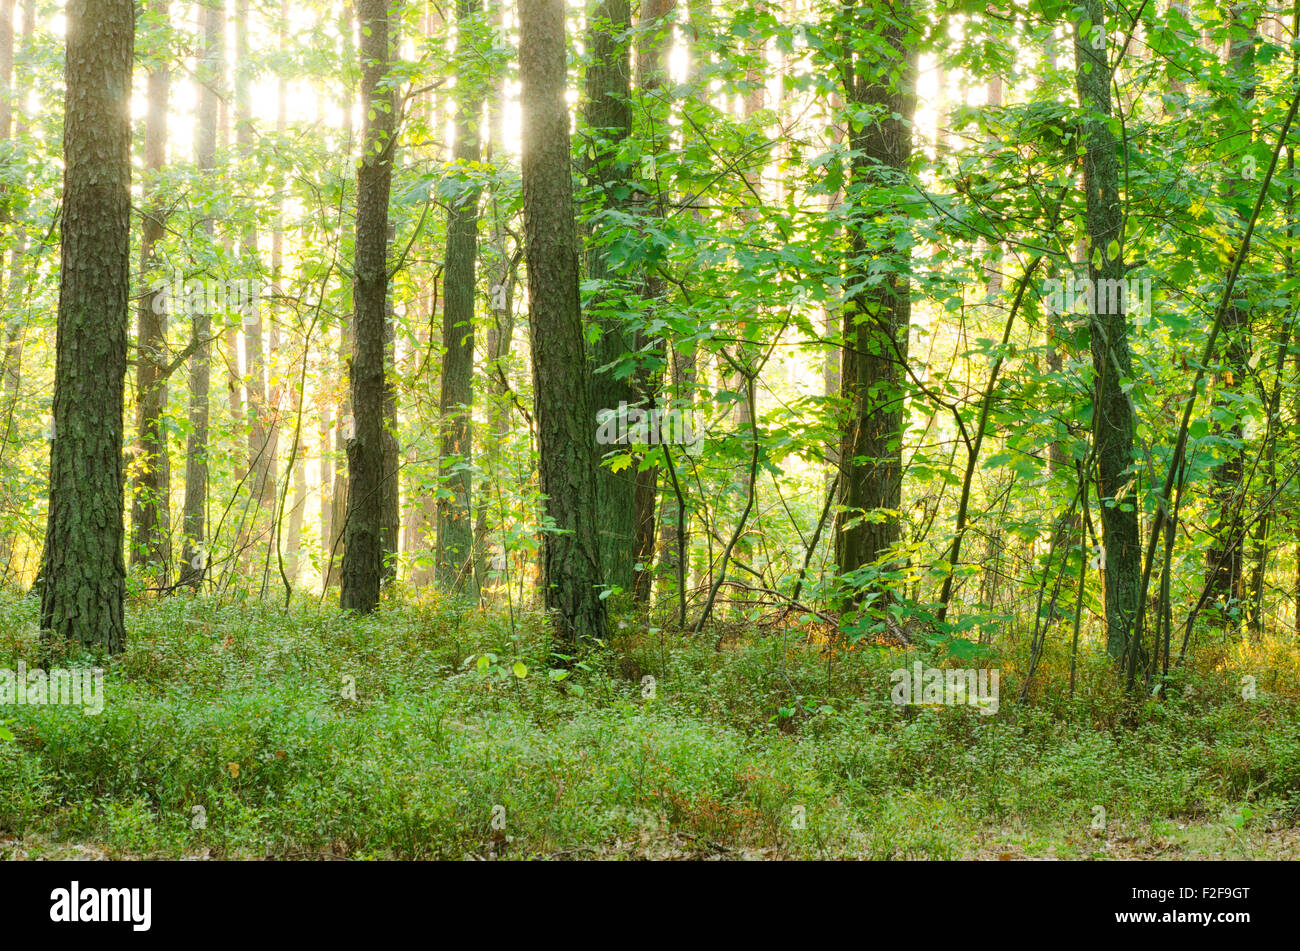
[151, 489]
[338, 496]
[1113, 422]
[877, 319]
[15, 299]
[571, 570]
[608, 123]
[210, 74]
[651, 69]
[363, 553]
[455, 554]
[83, 573]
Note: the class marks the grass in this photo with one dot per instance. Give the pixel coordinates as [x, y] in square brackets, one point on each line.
[230, 731]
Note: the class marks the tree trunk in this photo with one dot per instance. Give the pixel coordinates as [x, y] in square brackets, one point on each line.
[338, 496]
[608, 124]
[363, 552]
[685, 356]
[83, 574]
[652, 68]
[211, 72]
[455, 557]
[1113, 422]
[501, 331]
[15, 301]
[571, 571]
[151, 489]
[877, 319]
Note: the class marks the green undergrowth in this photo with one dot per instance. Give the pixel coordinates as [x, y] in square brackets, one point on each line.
[432, 730]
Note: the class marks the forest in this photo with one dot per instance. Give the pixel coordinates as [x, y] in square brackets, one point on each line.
[668, 429]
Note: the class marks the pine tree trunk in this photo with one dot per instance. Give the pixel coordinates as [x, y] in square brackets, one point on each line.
[1113, 422]
[501, 330]
[608, 124]
[83, 574]
[571, 571]
[655, 26]
[151, 489]
[674, 544]
[455, 557]
[14, 301]
[877, 319]
[389, 487]
[345, 422]
[211, 72]
[363, 551]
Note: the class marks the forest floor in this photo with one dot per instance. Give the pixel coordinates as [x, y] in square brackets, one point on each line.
[242, 730]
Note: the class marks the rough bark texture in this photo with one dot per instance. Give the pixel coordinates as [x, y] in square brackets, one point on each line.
[390, 532]
[151, 485]
[877, 319]
[363, 554]
[1108, 335]
[455, 557]
[390, 505]
[83, 574]
[571, 574]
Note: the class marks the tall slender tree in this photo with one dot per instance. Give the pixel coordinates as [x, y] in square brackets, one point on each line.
[1112, 421]
[261, 414]
[83, 573]
[151, 484]
[345, 421]
[608, 124]
[571, 571]
[13, 122]
[655, 26]
[455, 557]
[878, 70]
[363, 551]
[210, 77]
